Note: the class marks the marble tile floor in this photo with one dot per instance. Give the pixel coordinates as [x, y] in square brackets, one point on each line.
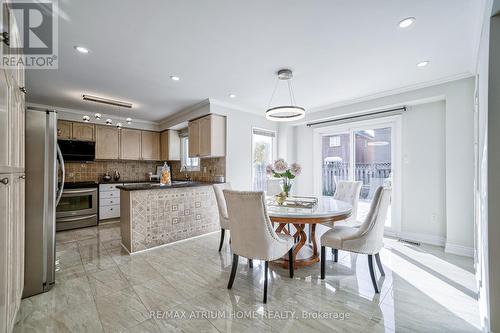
[182, 288]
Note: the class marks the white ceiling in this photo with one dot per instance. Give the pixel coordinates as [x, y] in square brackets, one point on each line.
[339, 50]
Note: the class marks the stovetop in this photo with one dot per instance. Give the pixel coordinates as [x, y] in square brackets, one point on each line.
[70, 185]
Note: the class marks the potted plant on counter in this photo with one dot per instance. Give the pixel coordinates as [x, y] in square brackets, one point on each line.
[280, 169]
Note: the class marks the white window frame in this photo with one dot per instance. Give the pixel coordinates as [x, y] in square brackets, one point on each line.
[274, 148]
[186, 161]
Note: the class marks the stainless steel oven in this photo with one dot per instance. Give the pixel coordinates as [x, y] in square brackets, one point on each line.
[77, 208]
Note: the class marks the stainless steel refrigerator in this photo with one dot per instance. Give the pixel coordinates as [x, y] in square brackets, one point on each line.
[42, 195]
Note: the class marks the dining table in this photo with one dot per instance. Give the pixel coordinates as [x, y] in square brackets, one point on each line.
[326, 211]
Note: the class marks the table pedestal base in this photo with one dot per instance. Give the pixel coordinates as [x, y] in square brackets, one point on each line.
[301, 259]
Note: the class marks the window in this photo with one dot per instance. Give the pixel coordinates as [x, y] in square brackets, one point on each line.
[263, 150]
[188, 163]
[335, 141]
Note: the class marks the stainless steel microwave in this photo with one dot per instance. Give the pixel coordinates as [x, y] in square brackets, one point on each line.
[80, 151]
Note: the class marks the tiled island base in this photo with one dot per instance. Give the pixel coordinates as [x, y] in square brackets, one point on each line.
[154, 217]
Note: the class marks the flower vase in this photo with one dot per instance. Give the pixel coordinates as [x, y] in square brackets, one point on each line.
[286, 186]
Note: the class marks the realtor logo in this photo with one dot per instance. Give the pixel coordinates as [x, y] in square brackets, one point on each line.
[31, 40]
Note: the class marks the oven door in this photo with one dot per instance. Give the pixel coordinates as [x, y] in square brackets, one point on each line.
[77, 202]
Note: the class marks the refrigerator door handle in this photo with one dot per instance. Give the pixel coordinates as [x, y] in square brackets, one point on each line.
[63, 171]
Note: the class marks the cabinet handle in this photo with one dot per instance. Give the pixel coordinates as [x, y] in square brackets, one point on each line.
[22, 177]
[23, 89]
[5, 181]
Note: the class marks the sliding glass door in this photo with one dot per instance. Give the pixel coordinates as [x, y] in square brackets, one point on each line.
[359, 152]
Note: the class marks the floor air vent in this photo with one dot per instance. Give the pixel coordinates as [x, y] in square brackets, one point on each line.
[408, 242]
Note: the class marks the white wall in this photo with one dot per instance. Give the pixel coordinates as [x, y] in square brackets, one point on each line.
[239, 126]
[239, 144]
[424, 172]
[459, 162]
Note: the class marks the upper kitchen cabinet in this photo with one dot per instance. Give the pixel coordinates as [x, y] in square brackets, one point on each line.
[68, 130]
[170, 145]
[83, 131]
[207, 136]
[64, 130]
[106, 143]
[130, 144]
[194, 138]
[150, 146]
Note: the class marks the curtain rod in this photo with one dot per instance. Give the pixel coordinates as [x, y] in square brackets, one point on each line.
[356, 116]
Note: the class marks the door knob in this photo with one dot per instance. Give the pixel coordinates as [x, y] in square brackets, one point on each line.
[5, 181]
[22, 177]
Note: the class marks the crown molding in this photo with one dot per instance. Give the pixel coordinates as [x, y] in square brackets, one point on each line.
[391, 92]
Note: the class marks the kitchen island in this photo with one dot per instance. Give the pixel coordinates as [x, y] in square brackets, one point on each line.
[154, 215]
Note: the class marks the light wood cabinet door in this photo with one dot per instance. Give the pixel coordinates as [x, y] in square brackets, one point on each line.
[217, 136]
[150, 148]
[164, 146]
[82, 131]
[194, 138]
[130, 144]
[106, 143]
[205, 136]
[64, 130]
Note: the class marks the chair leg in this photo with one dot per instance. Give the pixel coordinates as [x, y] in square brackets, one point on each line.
[266, 266]
[290, 262]
[335, 253]
[379, 264]
[372, 273]
[233, 271]
[222, 232]
[250, 263]
[323, 257]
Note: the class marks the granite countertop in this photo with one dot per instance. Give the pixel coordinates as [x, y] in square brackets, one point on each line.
[156, 186]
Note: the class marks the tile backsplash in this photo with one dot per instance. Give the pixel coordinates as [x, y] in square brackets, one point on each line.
[138, 170]
[209, 168]
[129, 170]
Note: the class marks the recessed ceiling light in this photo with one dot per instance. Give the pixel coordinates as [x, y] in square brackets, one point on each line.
[81, 49]
[407, 22]
[175, 78]
[232, 96]
[423, 63]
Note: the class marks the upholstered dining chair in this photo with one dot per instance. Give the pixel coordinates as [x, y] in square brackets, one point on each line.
[252, 235]
[221, 204]
[367, 239]
[348, 192]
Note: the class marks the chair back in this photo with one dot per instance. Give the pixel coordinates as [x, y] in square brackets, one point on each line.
[252, 235]
[273, 186]
[349, 192]
[372, 230]
[221, 201]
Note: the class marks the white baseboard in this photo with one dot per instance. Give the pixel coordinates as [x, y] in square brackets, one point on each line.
[460, 250]
[423, 238]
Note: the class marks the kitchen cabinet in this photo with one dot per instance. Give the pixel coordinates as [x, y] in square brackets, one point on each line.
[207, 136]
[69, 130]
[109, 201]
[130, 144]
[82, 131]
[170, 144]
[106, 143]
[194, 138]
[12, 118]
[64, 130]
[150, 145]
